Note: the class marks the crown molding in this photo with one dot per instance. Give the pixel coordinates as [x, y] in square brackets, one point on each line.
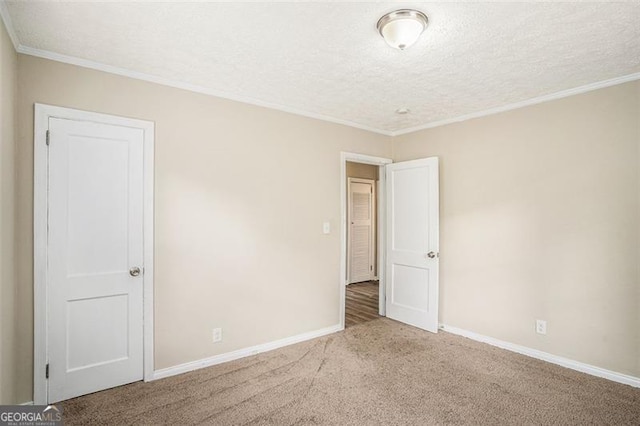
[8, 24]
[85, 63]
[45, 54]
[516, 105]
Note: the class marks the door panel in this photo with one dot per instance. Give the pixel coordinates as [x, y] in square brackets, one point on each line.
[410, 209]
[412, 243]
[106, 316]
[90, 201]
[360, 253]
[411, 289]
[95, 335]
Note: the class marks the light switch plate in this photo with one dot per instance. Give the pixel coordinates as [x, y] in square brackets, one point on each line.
[326, 228]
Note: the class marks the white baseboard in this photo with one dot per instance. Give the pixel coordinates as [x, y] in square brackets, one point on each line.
[544, 356]
[27, 403]
[242, 353]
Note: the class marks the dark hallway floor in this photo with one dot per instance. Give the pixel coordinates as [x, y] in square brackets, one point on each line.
[361, 303]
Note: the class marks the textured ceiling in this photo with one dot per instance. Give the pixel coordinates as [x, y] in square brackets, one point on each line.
[326, 58]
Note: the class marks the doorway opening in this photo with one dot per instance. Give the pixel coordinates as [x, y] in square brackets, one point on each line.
[362, 290]
[362, 295]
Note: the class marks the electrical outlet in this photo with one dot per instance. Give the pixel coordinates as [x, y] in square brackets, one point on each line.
[541, 327]
[217, 335]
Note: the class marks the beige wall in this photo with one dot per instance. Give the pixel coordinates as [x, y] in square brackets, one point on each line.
[239, 241]
[540, 219]
[8, 284]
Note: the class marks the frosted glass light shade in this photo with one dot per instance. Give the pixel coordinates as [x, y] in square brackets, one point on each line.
[401, 29]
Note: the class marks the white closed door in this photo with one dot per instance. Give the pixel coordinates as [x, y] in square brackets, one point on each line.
[95, 257]
[361, 235]
[412, 243]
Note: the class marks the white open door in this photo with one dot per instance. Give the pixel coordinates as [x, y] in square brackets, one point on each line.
[412, 243]
[95, 257]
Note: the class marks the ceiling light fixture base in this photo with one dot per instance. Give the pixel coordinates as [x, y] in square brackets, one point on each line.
[401, 28]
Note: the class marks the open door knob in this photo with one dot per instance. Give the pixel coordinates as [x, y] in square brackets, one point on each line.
[431, 255]
[134, 272]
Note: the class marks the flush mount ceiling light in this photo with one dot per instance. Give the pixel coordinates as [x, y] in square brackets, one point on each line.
[403, 111]
[400, 29]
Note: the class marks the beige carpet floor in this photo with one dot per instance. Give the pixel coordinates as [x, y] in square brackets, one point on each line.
[377, 373]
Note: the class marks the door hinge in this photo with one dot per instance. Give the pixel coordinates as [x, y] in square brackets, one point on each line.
[47, 138]
[46, 372]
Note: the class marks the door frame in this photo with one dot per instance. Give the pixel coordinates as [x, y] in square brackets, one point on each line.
[381, 225]
[42, 113]
[374, 223]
